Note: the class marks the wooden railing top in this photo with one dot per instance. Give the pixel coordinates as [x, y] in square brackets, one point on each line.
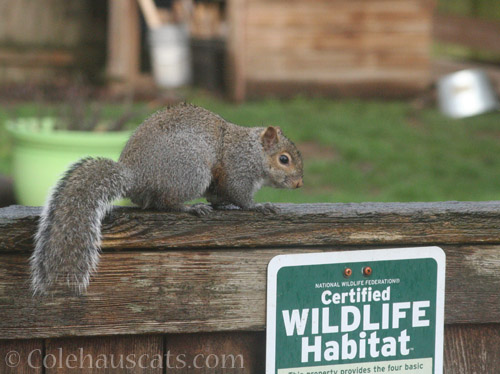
[293, 226]
[176, 273]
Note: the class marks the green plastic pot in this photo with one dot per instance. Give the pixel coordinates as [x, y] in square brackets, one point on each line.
[41, 155]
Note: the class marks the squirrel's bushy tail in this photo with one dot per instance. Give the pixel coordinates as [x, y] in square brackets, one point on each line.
[67, 243]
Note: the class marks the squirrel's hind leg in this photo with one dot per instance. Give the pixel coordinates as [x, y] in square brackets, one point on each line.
[169, 195]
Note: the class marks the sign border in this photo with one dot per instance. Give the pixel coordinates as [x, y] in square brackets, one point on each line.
[332, 257]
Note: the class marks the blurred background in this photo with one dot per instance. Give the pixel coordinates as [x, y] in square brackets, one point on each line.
[364, 87]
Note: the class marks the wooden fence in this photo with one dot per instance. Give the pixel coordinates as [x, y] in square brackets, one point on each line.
[188, 291]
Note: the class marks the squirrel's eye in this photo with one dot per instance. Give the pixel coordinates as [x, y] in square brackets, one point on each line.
[284, 159]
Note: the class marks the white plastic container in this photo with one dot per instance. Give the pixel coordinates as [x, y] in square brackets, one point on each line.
[466, 93]
[170, 55]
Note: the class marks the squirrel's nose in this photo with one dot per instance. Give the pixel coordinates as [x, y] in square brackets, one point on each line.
[299, 183]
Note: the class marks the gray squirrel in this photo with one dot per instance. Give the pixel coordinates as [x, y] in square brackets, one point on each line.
[176, 155]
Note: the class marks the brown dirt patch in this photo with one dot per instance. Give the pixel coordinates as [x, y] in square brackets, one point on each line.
[315, 150]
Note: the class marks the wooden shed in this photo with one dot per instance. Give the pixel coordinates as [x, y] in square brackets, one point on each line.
[285, 47]
[281, 47]
[361, 47]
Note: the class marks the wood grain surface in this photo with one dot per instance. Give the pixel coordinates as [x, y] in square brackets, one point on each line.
[472, 349]
[213, 353]
[350, 43]
[21, 356]
[199, 284]
[203, 291]
[294, 226]
[103, 354]
[467, 349]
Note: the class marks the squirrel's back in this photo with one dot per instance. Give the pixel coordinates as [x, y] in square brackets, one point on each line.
[177, 145]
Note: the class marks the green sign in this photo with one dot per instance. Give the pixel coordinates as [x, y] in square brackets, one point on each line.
[356, 312]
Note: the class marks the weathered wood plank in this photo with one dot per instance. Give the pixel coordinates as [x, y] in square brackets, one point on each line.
[361, 88]
[294, 226]
[326, 48]
[293, 41]
[235, 353]
[342, 76]
[303, 8]
[21, 356]
[203, 291]
[467, 349]
[472, 349]
[354, 20]
[139, 354]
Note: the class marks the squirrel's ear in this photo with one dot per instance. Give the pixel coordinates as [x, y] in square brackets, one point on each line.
[269, 136]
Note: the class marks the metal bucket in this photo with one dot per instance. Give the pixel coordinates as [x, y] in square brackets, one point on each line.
[170, 55]
[466, 93]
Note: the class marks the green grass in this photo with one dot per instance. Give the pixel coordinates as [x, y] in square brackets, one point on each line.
[369, 150]
[379, 151]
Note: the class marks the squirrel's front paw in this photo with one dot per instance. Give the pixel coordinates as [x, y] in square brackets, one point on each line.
[200, 209]
[265, 208]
